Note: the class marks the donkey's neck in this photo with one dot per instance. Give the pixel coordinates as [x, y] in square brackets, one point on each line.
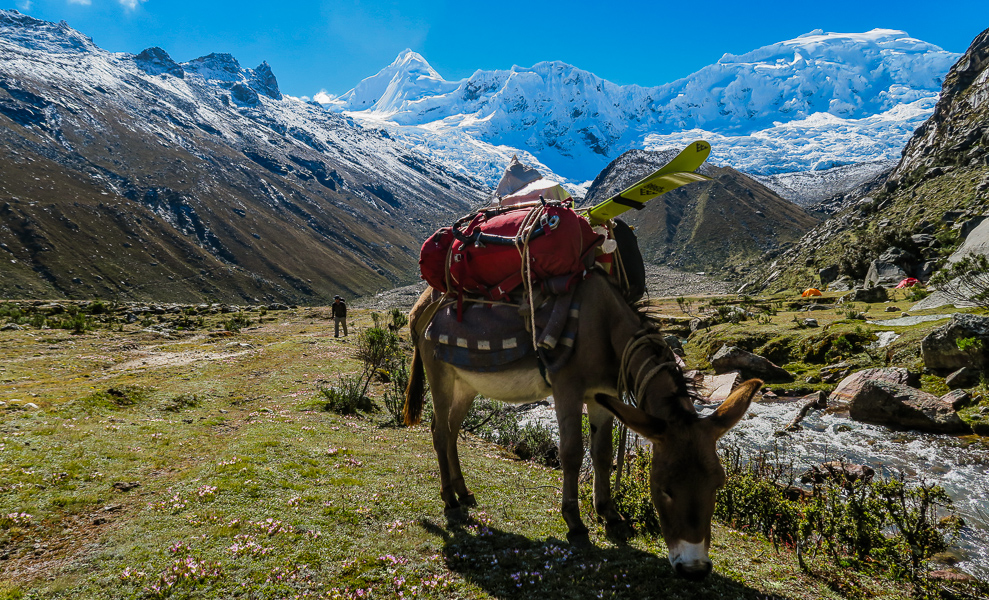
[647, 365]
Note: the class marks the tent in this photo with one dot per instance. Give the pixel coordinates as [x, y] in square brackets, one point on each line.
[908, 282]
[810, 292]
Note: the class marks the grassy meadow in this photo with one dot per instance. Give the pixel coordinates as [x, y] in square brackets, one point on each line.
[198, 463]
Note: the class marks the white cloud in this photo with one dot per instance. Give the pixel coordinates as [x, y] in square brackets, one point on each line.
[83, 2]
[25, 5]
[323, 98]
[130, 4]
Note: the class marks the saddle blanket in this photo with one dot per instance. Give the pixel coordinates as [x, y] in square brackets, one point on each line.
[491, 336]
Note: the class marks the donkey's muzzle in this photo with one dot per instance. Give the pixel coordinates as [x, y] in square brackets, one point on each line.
[695, 570]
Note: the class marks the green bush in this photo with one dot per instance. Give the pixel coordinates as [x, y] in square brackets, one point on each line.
[965, 281]
[347, 397]
[394, 397]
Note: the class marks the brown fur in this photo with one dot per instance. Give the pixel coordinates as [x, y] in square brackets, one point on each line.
[685, 461]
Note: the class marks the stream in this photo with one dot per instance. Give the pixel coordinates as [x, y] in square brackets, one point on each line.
[936, 459]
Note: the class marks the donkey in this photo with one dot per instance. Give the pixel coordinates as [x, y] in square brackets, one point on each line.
[617, 348]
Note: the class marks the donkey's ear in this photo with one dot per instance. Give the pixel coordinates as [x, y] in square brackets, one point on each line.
[637, 420]
[733, 409]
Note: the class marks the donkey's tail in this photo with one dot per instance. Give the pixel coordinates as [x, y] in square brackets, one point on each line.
[415, 392]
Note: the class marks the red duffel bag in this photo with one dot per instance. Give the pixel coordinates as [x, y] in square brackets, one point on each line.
[484, 257]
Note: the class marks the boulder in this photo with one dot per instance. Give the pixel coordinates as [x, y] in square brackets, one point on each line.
[838, 471]
[842, 284]
[828, 274]
[962, 378]
[962, 342]
[732, 358]
[869, 294]
[958, 399]
[810, 323]
[899, 405]
[890, 268]
[835, 372]
[717, 388]
[852, 384]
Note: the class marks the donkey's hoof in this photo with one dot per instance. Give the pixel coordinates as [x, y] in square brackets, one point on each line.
[579, 539]
[618, 530]
[468, 500]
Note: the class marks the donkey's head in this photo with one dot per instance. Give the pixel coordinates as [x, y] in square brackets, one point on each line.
[686, 471]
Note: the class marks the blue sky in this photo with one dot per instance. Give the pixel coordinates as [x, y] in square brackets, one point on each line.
[331, 45]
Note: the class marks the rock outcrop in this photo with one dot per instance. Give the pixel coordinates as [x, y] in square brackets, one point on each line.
[733, 358]
[962, 342]
[900, 405]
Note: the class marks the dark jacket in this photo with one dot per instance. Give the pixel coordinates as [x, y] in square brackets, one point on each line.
[339, 309]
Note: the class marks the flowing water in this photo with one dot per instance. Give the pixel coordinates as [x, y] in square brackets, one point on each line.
[935, 459]
[939, 459]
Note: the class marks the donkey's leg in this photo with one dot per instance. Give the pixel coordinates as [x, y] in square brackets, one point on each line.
[442, 385]
[448, 414]
[463, 399]
[602, 450]
[568, 415]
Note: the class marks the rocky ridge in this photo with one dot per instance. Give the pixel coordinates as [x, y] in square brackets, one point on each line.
[707, 226]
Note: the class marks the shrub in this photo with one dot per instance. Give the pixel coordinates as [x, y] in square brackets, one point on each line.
[180, 402]
[502, 424]
[376, 349]
[965, 281]
[394, 397]
[347, 397]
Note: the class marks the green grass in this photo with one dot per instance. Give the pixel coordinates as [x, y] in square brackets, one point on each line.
[249, 492]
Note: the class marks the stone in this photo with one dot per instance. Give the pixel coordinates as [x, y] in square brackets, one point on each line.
[891, 309]
[810, 323]
[941, 350]
[835, 372]
[868, 295]
[11, 327]
[962, 378]
[958, 399]
[842, 284]
[828, 274]
[890, 268]
[717, 388]
[838, 471]
[731, 358]
[673, 342]
[923, 239]
[884, 273]
[899, 405]
[952, 575]
[125, 486]
[852, 384]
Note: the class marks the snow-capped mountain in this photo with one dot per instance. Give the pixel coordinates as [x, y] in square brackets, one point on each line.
[814, 102]
[136, 176]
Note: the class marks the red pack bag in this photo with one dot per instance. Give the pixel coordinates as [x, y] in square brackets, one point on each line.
[484, 256]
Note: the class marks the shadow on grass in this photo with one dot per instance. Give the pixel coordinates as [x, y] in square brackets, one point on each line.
[508, 565]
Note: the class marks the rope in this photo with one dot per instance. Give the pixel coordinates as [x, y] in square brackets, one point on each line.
[642, 339]
[522, 245]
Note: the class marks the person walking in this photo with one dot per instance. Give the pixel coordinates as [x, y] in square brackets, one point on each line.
[339, 311]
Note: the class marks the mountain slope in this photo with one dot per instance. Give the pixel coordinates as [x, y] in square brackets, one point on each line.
[817, 101]
[711, 225]
[137, 177]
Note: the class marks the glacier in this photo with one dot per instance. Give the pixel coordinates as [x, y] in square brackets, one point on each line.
[815, 102]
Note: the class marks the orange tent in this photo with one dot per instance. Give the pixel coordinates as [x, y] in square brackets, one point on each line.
[810, 292]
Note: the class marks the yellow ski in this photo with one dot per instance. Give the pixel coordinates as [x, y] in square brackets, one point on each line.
[676, 173]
